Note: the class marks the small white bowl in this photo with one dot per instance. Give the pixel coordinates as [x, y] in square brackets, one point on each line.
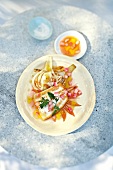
[74, 34]
[40, 28]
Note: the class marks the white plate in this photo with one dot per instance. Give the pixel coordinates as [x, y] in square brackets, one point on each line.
[75, 34]
[81, 76]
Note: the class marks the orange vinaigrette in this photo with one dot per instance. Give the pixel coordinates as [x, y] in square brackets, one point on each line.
[70, 46]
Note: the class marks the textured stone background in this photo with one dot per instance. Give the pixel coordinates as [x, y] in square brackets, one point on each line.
[17, 50]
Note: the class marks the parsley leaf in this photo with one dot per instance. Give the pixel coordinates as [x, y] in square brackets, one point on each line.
[56, 109]
[51, 95]
[44, 102]
[56, 99]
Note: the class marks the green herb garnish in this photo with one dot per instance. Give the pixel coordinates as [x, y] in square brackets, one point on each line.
[56, 99]
[51, 95]
[44, 102]
[56, 109]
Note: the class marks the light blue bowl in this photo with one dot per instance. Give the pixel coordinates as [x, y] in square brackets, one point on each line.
[40, 28]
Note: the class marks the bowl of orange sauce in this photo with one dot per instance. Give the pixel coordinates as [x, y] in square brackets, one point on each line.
[71, 43]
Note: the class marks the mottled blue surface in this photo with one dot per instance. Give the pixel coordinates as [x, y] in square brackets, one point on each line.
[17, 50]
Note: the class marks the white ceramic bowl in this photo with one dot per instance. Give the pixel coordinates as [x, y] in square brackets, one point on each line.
[75, 34]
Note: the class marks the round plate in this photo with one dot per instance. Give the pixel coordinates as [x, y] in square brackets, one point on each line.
[75, 34]
[40, 28]
[81, 77]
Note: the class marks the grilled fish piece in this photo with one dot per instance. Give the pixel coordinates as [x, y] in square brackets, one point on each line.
[57, 100]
